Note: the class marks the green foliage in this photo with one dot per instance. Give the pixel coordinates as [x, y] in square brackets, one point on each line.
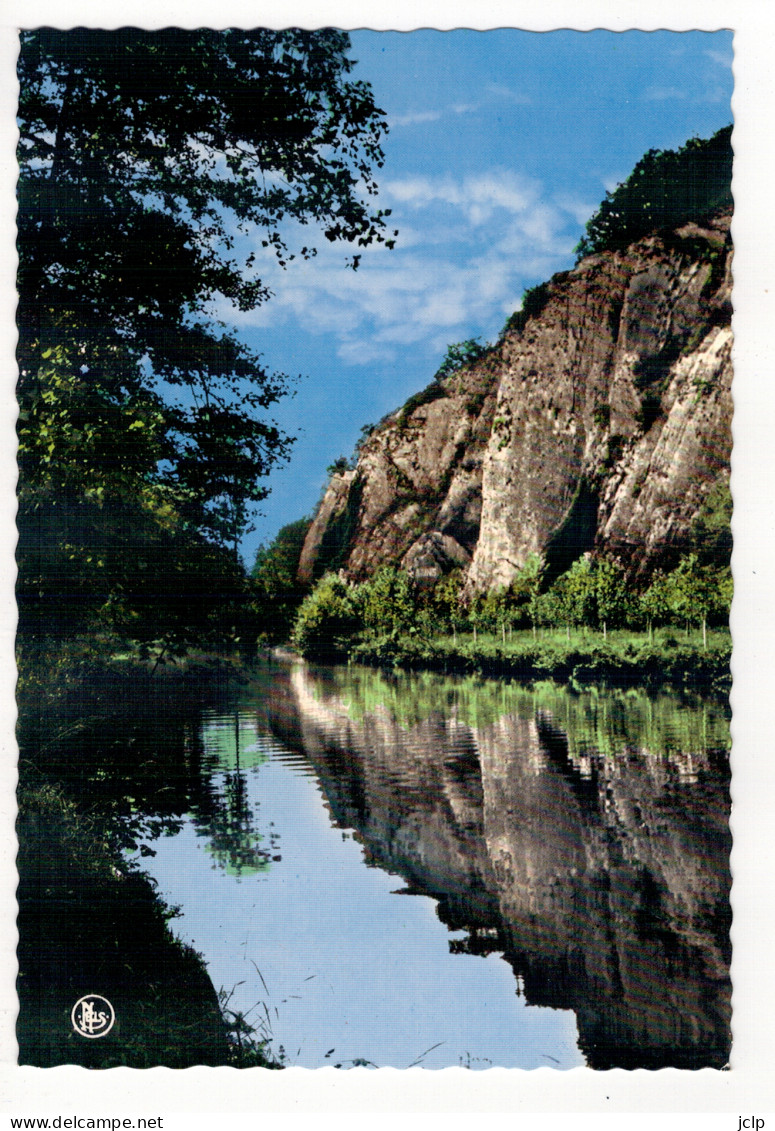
[425, 396]
[147, 160]
[526, 588]
[443, 603]
[602, 415]
[339, 466]
[700, 592]
[579, 661]
[459, 355]
[711, 536]
[276, 593]
[655, 603]
[248, 1042]
[99, 538]
[327, 618]
[666, 188]
[387, 602]
[534, 300]
[345, 463]
[592, 593]
[490, 611]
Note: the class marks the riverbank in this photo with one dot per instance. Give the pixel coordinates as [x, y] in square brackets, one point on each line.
[90, 921]
[623, 659]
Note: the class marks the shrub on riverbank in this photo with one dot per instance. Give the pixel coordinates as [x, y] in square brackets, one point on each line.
[390, 619]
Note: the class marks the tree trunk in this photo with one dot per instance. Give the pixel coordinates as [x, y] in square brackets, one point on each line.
[704, 633]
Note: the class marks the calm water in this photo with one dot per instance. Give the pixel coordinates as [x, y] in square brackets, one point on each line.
[443, 871]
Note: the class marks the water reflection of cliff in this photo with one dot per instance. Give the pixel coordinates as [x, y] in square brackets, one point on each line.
[603, 878]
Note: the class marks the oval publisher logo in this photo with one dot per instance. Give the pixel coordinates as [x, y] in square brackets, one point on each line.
[93, 1016]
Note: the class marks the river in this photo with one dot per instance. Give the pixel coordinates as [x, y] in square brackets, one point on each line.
[412, 869]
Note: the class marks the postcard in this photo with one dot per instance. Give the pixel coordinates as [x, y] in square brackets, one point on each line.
[391, 565]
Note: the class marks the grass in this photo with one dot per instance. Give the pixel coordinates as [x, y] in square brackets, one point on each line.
[581, 657]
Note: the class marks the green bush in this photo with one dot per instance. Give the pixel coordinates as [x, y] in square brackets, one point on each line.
[458, 356]
[327, 618]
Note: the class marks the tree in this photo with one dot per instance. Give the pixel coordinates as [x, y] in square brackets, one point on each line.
[700, 592]
[328, 616]
[155, 167]
[526, 588]
[574, 594]
[386, 601]
[276, 591]
[656, 602]
[613, 603]
[666, 188]
[711, 533]
[458, 356]
[444, 603]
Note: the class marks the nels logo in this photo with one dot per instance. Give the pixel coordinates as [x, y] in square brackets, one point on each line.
[92, 1016]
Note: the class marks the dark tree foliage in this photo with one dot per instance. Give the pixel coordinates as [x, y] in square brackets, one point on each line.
[458, 356]
[666, 187]
[156, 167]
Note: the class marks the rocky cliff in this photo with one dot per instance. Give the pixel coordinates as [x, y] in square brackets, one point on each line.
[600, 421]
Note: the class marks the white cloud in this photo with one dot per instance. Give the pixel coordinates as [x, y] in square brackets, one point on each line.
[663, 93]
[496, 91]
[723, 58]
[466, 246]
[509, 95]
[418, 117]
[477, 197]
[716, 94]
[580, 210]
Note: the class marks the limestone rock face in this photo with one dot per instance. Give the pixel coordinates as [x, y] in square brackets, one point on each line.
[420, 471]
[433, 555]
[601, 422]
[333, 505]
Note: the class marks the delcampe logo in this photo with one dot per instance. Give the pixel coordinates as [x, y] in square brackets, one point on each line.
[93, 1016]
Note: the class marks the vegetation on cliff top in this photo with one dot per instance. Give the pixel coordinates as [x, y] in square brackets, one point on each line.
[666, 188]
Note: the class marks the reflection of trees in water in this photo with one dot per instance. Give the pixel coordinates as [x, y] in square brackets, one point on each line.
[139, 758]
[224, 816]
[147, 769]
[597, 865]
[221, 810]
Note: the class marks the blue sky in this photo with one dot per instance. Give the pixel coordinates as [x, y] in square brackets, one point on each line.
[501, 145]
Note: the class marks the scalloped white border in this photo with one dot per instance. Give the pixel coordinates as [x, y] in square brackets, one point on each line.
[749, 1087]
